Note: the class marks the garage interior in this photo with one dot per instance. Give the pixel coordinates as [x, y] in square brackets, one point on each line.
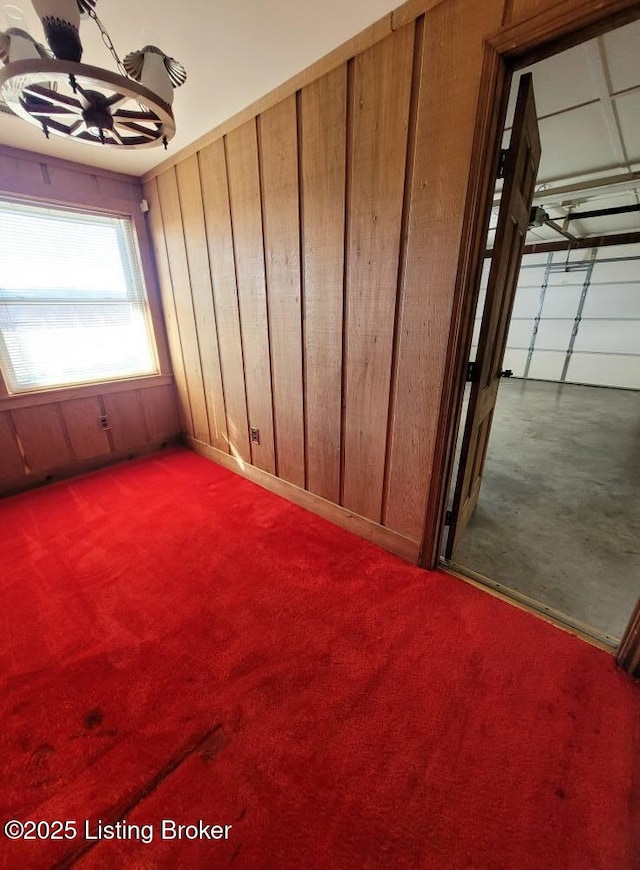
[559, 507]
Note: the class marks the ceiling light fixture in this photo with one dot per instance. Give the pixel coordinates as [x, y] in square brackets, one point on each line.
[55, 91]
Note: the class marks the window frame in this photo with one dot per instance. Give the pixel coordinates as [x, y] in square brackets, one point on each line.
[152, 307]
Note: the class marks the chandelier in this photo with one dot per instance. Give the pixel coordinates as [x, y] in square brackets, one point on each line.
[51, 88]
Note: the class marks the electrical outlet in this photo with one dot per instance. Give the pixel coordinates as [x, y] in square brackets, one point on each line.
[103, 422]
[255, 435]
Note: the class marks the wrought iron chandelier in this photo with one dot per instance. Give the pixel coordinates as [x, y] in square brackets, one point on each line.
[51, 88]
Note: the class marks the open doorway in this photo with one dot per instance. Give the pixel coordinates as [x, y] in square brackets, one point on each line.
[558, 505]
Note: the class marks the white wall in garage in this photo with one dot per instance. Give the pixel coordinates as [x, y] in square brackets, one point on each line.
[575, 320]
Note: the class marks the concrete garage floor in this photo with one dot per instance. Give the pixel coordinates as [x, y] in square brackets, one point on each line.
[559, 512]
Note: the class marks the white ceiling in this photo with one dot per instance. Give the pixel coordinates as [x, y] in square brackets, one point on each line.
[235, 51]
[588, 102]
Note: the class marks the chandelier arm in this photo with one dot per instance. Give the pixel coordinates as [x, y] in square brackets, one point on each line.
[129, 115]
[42, 93]
[116, 135]
[116, 100]
[135, 128]
[51, 110]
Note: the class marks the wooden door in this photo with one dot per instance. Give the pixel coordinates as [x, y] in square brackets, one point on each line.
[520, 167]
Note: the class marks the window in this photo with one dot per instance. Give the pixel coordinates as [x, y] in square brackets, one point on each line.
[72, 303]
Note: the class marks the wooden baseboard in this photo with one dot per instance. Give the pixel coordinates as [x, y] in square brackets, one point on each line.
[32, 481]
[364, 528]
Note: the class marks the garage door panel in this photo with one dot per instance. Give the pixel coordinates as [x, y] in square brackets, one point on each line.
[561, 302]
[515, 360]
[554, 334]
[620, 271]
[608, 336]
[605, 370]
[531, 276]
[527, 302]
[613, 300]
[520, 333]
[546, 365]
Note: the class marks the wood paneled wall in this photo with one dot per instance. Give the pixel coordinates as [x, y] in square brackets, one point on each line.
[55, 433]
[41, 442]
[279, 250]
[296, 252]
[309, 251]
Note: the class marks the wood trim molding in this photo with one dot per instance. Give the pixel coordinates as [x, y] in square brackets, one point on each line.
[152, 286]
[411, 10]
[488, 132]
[4, 392]
[376, 32]
[357, 44]
[61, 163]
[562, 26]
[629, 650]
[83, 467]
[364, 528]
[47, 397]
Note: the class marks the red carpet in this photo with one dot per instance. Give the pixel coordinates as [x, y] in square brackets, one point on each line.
[180, 644]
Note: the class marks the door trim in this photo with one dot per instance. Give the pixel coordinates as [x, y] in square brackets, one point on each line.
[562, 26]
[629, 650]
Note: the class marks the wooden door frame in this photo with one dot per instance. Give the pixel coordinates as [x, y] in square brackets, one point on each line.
[513, 46]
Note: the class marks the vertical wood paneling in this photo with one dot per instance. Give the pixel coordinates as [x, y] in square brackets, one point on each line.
[181, 285]
[86, 436]
[440, 174]
[168, 305]
[198, 260]
[323, 118]
[215, 195]
[43, 437]
[246, 214]
[380, 111]
[280, 208]
[159, 411]
[11, 464]
[126, 420]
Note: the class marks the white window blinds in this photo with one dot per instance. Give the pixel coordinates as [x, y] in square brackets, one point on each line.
[72, 302]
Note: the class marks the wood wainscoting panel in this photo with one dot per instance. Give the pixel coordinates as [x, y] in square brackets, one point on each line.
[379, 112]
[278, 148]
[246, 217]
[126, 419]
[159, 411]
[11, 462]
[87, 438]
[215, 197]
[43, 437]
[322, 141]
[195, 239]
